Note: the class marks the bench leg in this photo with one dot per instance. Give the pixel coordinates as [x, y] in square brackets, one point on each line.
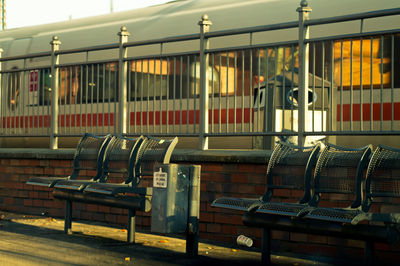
[68, 217]
[192, 237]
[369, 253]
[131, 226]
[266, 246]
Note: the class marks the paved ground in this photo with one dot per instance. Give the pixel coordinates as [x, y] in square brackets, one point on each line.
[29, 240]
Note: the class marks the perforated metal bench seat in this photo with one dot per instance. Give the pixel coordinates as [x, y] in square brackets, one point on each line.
[76, 185]
[88, 158]
[118, 152]
[281, 208]
[141, 202]
[45, 181]
[115, 189]
[241, 204]
[283, 155]
[333, 214]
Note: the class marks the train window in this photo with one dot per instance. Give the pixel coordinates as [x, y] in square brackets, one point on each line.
[96, 83]
[229, 73]
[148, 79]
[236, 72]
[80, 84]
[367, 61]
[69, 85]
[179, 78]
[148, 86]
[44, 87]
[13, 87]
[253, 67]
[213, 77]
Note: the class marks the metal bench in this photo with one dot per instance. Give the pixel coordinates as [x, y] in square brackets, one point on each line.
[382, 184]
[284, 155]
[87, 163]
[330, 179]
[121, 151]
[146, 154]
[338, 170]
[125, 159]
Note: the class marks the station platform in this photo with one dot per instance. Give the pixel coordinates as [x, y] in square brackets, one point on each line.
[39, 240]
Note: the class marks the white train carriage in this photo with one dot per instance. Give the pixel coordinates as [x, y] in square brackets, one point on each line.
[252, 77]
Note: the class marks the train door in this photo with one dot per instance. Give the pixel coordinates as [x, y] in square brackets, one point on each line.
[14, 80]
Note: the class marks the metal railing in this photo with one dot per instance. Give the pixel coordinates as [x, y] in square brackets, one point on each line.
[307, 88]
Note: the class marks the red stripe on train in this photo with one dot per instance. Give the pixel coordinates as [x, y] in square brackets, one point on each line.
[190, 117]
[139, 118]
[366, 112]
[86, 120]
[43, 121]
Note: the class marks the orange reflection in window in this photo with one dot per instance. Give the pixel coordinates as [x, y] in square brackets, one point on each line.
[69, 85]
[357, 63]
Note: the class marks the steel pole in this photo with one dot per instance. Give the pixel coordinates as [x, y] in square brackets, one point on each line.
[1, 95]
[55, 78]
[304, 33]
[3, 15]
[204, 86]
[123, 91]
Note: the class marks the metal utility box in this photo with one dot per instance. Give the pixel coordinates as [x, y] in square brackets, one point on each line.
[276, 108]
[176, 198]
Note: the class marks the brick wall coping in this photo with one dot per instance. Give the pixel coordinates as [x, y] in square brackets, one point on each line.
[179, 155]
[36, 153]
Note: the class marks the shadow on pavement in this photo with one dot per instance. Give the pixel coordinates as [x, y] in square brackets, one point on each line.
[35, 241]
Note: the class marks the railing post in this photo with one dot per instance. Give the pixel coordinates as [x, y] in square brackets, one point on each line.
[304, 33]
[123, 88]
[55, 74]
[1, 97]
[204, 99]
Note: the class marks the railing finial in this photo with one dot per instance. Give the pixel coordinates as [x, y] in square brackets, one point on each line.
[304, 7]
[303, 3]
[205, 20]
[55, 40]
[124, 31]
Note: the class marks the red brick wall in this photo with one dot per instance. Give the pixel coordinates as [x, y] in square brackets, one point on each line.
[217, 179]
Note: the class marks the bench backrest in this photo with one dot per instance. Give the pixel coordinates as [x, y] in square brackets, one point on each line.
[339, 170]
[120, 157]
[88, 158]
[383, 175]
[285, 157]
[152, 151]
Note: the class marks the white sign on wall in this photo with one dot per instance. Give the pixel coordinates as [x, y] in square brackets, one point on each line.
[160, 179]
